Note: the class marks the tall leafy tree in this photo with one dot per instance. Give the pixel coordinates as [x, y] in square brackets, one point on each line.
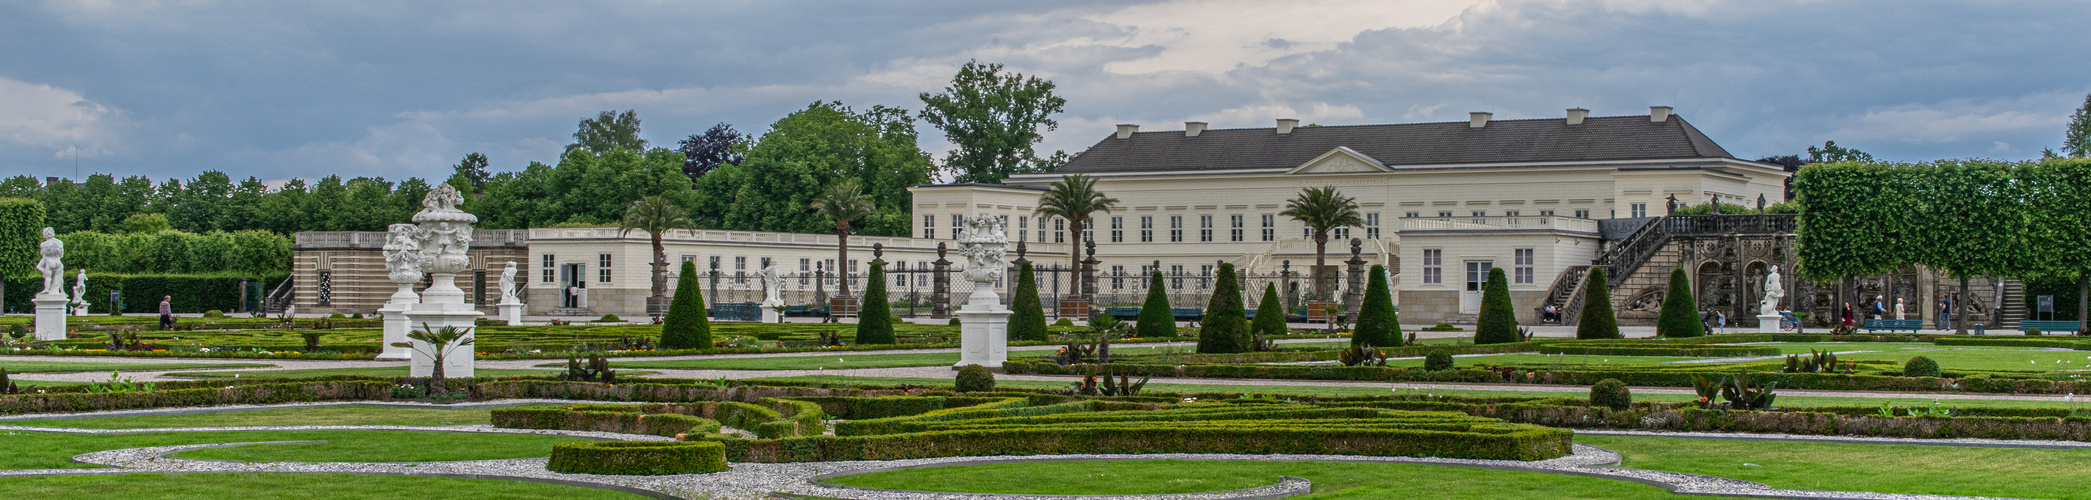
[21, 230]
[607, 131]
[1830, 152]
[994, 119]
[2061, 225]
[719, 145]
[844, 202]
[805, 152]
[1974, 223]
[1323, 209]
[2077, 141]
[469, 175]
[1074, 198]
[655, 215]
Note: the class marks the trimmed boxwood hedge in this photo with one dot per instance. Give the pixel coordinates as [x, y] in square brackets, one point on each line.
[627, 420]
[643, 458]
[1644, 349]
[219, 394]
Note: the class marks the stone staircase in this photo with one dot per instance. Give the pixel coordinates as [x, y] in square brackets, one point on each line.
[2014, 307]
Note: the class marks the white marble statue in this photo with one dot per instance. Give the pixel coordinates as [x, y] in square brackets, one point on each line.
[1898, 308]
[1773, 291]
[984, 243]
[402, 254]
[443, 235]
[80, 290]
[772, 286]
[445, 232]
[508, 283]
[52, 264]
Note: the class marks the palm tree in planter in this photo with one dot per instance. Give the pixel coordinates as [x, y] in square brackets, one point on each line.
[655, 215]
[845, 202]
[1073, 198]
[1323, 209]
[441, 342]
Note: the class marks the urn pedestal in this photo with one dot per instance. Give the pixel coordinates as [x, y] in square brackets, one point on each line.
[1768, 323]
[50, 316]
[396, 323]
[511, 311]
[983, 330]
[430, 315]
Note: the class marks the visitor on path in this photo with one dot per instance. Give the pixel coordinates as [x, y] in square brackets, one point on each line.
[1946, 314]
[1706, 320]
[1553, 314]
[1788, 321]
[1880, 309]
[1720, 321]
[1847, 315]
[166, 312]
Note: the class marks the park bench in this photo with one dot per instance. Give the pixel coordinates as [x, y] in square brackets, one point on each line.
[1188, 313]
[1893, 324]
[2047, 325]
[1123, 312]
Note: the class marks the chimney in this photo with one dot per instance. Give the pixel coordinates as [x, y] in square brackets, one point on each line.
[1478, 119]
[1658, 114]
[1285, 125]
[1192, 129]
[1576, 116]
[1125, 130]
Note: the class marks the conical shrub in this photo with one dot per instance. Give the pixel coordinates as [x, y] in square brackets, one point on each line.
[1498, 322]
[874, 315]
[1377, 324]
[1226, 328]
[1156, 320]
[1680, 316]
[1270, 314]
[1597, 320]
[685, 326]
[1027, 315]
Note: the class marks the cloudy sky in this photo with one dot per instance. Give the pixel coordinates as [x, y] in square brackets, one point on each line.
[401, 88]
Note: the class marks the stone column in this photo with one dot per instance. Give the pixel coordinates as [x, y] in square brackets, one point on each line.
[940, 289]
[1354, 292]
[1292, 297]
[1089, 263]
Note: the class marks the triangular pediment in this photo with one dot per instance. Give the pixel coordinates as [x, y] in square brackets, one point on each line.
[1340, 160]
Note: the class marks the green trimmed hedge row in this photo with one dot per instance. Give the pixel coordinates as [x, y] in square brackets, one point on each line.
[1626, 349]
[649, 458]
[222, 394]
[621, 420]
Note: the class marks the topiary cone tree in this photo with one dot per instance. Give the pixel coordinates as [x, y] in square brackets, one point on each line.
[1680, 315]
[1226, 327]
[1270, 314]
[1027, 315]
[1156, 320]
[686, 326]
[1377, 324]
[874, 319]
[1597, 320]
[1498, 322]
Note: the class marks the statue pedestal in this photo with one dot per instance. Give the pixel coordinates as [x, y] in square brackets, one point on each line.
[396, 325]
[50, 316]
[511, 311]
[983, 330]
[442, 308]
[80, 310]
[1768, 323]
[770, 313]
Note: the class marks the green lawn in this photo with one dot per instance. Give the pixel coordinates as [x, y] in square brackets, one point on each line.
[314, 415]
[1919, 469]
[63, 366]
[379, 371]
[1332, 480]
[286, 486]
[49, 450]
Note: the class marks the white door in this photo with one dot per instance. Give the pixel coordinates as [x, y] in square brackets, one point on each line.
[1470, 297]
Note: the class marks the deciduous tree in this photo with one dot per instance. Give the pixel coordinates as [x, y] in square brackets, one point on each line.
[994, 118]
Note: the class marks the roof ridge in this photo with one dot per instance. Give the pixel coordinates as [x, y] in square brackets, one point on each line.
[1300, 127]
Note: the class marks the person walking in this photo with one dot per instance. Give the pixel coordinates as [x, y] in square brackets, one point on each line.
[1880, 309]
[1946, 314]
[166, 312]
[1847, 316]
[1720, 321]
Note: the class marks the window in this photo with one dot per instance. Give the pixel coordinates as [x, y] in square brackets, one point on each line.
[1176, 276]
[958, 225]
[1306, 231]
[1372, 225]
[1204, 228]
[479, 287]
[1433, 266]
[1480, 213]
[805, 269]
[602, 272]
[1638, 210]
[1522, 267]
[929, 227]
[1205, 276]
[1512, 213]
[1413, 215]
[1270, 227]
[1546, 213]
[740, 269]
[1583, 213]
[1023, 227]
[1146, 229]
[1176, 228]
[1059, 230]
[1117, 276]
[1234, 232]
[1089, 231]
[715, 263]
[1117, 229]
[1444, 213]
[547, 272]
[1339, 233]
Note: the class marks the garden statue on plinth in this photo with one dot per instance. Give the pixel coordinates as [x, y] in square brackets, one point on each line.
[80, 294]
[403, 266]
[51, 302]
[1768, 311]
[511, 306]
[1898, 308]
[772, 294]
[983, 321]
[443, 233]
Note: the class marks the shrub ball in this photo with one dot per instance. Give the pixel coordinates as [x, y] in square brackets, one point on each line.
[1438, 359]
[1920, 367]
[975, 378]
[1611, 393]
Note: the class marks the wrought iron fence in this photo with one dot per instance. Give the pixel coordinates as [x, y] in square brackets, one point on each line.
[911, 292]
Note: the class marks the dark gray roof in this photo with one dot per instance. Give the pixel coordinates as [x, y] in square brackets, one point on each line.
[981, 184]
[1501, 141]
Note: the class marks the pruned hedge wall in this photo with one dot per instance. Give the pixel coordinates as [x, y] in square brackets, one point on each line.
[651, 458]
